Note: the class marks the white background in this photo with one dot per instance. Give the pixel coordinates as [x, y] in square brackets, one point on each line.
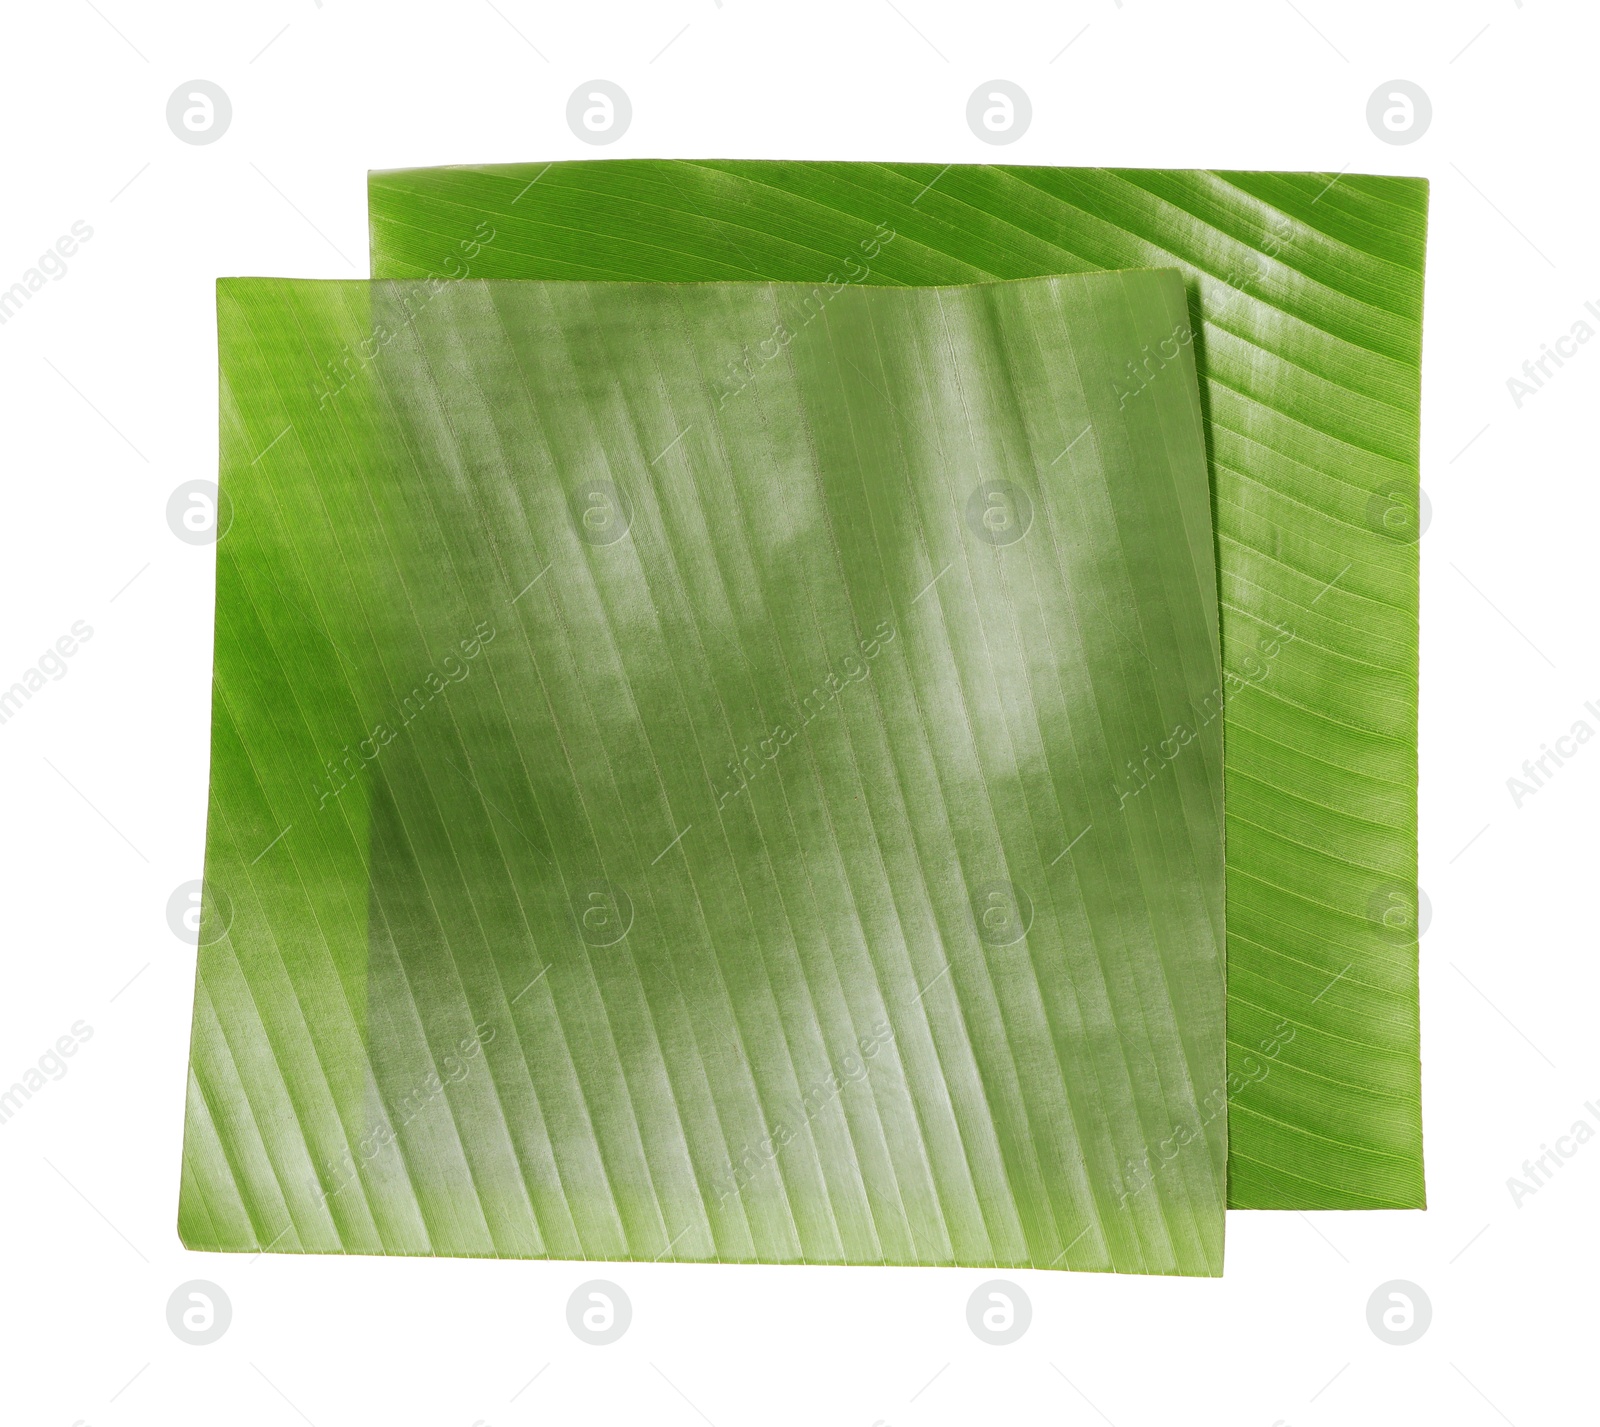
[110, 403]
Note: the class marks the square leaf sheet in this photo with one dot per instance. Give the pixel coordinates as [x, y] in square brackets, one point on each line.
[661, 816]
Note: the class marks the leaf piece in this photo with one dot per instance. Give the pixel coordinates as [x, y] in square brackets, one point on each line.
[1306, 296]
[663, 819]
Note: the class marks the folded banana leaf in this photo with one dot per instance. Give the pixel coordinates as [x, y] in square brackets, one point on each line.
[1305, 294]
[657, 815]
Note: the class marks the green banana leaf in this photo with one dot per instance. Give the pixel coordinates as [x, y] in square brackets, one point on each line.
[654, 817]
[1306, 297]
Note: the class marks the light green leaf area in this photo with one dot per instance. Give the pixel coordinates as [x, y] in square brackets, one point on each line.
[1306, 296]
[656, 821]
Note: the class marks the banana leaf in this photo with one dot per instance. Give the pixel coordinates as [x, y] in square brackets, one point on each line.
[1305, 295]
[655, 816]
